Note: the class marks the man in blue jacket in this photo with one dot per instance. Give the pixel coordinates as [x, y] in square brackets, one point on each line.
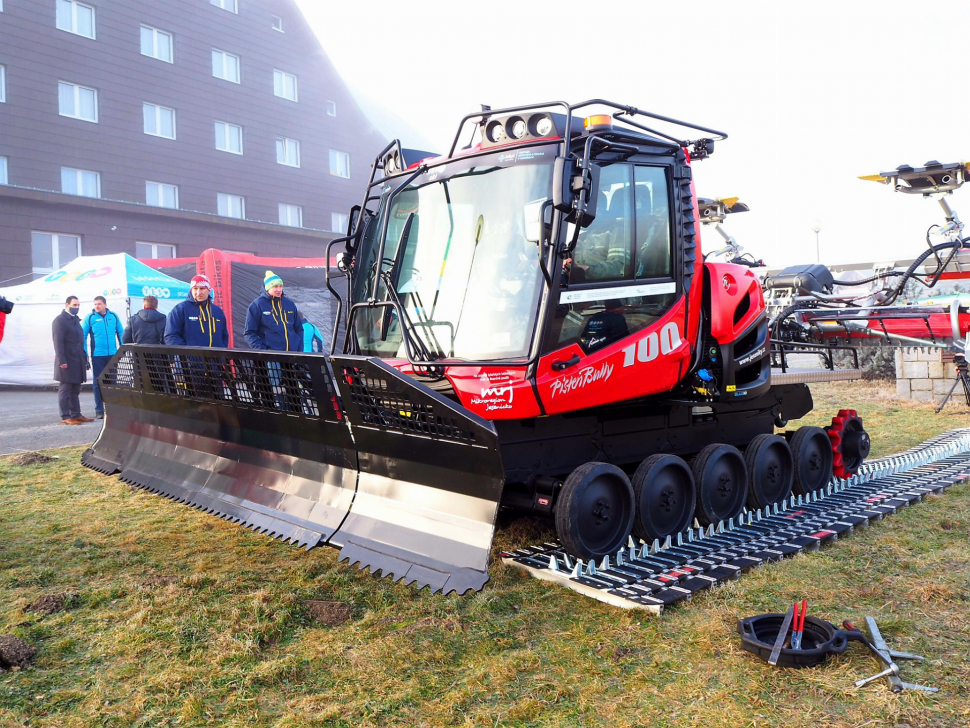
[103, 328]
[273, 323]
[197, 321]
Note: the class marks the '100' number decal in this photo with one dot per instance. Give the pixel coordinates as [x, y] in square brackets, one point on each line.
[652, 345]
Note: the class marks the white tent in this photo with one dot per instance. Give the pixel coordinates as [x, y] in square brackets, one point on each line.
[27, 351]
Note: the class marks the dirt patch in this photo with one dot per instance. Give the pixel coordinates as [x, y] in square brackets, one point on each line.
[331, 614]
[15, 654]
[30, 458]
[159, 580]
[51, 603]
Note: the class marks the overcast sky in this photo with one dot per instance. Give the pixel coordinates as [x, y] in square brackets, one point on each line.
[811, 94]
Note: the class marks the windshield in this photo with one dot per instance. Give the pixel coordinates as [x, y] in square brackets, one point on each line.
[462, 257]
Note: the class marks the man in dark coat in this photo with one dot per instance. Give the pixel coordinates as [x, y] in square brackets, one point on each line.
[147, 326]
[70, 362]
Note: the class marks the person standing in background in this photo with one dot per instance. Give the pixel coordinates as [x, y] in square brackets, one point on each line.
[70, 362]
[197, 321]
[147, 326]
[273, 323]
[103, 327]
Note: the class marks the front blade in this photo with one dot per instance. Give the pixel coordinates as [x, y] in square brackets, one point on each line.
[256, 438]
[431, 476]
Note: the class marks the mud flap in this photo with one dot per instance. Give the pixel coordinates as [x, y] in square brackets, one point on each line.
[255, 438]
[431, 476]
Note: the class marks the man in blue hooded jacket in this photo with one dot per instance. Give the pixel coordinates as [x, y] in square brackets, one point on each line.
[274, 323]
[103, 329]
[197, 321]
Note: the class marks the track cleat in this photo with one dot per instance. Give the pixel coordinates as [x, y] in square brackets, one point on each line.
[553, 563]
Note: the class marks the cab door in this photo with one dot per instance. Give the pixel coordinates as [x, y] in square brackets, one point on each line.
[618, 329]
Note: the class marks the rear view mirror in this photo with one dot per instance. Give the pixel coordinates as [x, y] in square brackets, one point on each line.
[538, 215]
[587, 185]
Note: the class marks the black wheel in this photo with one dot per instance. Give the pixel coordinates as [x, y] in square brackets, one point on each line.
[594, 512]
[811, 452]
[722, 483]
[664, 490]
[770, 470]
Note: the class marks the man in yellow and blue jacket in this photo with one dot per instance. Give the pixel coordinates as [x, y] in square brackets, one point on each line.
[273, 321]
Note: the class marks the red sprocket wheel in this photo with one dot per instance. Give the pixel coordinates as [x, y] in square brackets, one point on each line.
[850, 443]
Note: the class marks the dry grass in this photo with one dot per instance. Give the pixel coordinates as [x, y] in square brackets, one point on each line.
[181, 619]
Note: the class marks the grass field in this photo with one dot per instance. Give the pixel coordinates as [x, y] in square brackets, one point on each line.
[176, 618]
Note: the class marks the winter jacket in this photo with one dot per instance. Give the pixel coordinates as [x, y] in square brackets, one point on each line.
[69, 349]
[104, 331]
[5, 308]
[312, 338]
[274, 323]
[145, 327]
[197, 324]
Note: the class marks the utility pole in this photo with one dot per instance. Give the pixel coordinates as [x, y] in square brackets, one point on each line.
[817, 227]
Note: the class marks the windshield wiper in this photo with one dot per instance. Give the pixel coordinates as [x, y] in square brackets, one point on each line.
[411, 339]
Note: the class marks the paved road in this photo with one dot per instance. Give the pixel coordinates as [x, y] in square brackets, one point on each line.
[30, 420]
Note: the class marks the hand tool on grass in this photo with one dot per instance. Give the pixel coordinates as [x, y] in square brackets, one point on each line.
[798, 628]
[880, 649]
[782, 636]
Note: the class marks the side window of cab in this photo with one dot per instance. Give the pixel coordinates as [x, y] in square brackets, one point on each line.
[618, 280]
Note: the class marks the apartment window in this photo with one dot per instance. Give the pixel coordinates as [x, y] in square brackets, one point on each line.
[287, 152]
[232, 205]
[81, 182]
[331, 108]
[284, 85]
[158, 194]
[3, 171]
[231, 5]
[75, 17]
[3, 84]
[51, 251]
[159, 120]
[278, 23]
[339, 164]
[77, 102]
[225, 66]
[338, 222]
[228, 137]
[146, 251]
[291, 215]
[157, 43]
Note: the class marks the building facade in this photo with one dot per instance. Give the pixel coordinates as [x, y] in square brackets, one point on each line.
[161, 128]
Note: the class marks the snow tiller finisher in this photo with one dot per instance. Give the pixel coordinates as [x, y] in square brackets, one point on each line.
[530, 325]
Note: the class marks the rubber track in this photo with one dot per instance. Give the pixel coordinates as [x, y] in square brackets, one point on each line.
[653, 576]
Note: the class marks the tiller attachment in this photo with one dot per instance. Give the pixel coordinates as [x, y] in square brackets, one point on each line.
[260, 438]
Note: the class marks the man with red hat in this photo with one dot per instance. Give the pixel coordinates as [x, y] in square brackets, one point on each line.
[197, 321]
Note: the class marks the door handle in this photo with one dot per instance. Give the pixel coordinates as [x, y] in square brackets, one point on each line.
[571, 362]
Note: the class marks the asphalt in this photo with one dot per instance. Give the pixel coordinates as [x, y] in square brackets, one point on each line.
[31, 420]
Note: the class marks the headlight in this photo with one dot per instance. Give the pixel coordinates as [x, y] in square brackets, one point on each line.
[519, 129]
[496, 131]
[544, 126]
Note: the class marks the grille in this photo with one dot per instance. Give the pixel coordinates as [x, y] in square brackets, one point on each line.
[390, 410]
[123, 373]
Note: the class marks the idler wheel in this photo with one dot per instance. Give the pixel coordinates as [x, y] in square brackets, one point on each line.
[812, 452]
[770, 470]
[594, 512]
[722, 483]
[663, 487]
[850, 443]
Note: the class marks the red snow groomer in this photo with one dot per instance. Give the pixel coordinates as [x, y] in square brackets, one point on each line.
[529, 325]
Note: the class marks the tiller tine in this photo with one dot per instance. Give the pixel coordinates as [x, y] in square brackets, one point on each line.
[254, 438]
[431, 476]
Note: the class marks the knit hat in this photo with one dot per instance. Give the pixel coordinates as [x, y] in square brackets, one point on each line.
[271, 279]
[200, 281]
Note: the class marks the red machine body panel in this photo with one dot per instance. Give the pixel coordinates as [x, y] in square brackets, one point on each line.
[651, 361]
[730, 285]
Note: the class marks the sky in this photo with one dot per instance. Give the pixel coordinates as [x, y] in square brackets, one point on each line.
[811, 94]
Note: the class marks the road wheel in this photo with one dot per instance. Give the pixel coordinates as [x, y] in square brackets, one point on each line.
[770, 470]
[722, 483]
[812, 454]
[664, 490]
[594, 511]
